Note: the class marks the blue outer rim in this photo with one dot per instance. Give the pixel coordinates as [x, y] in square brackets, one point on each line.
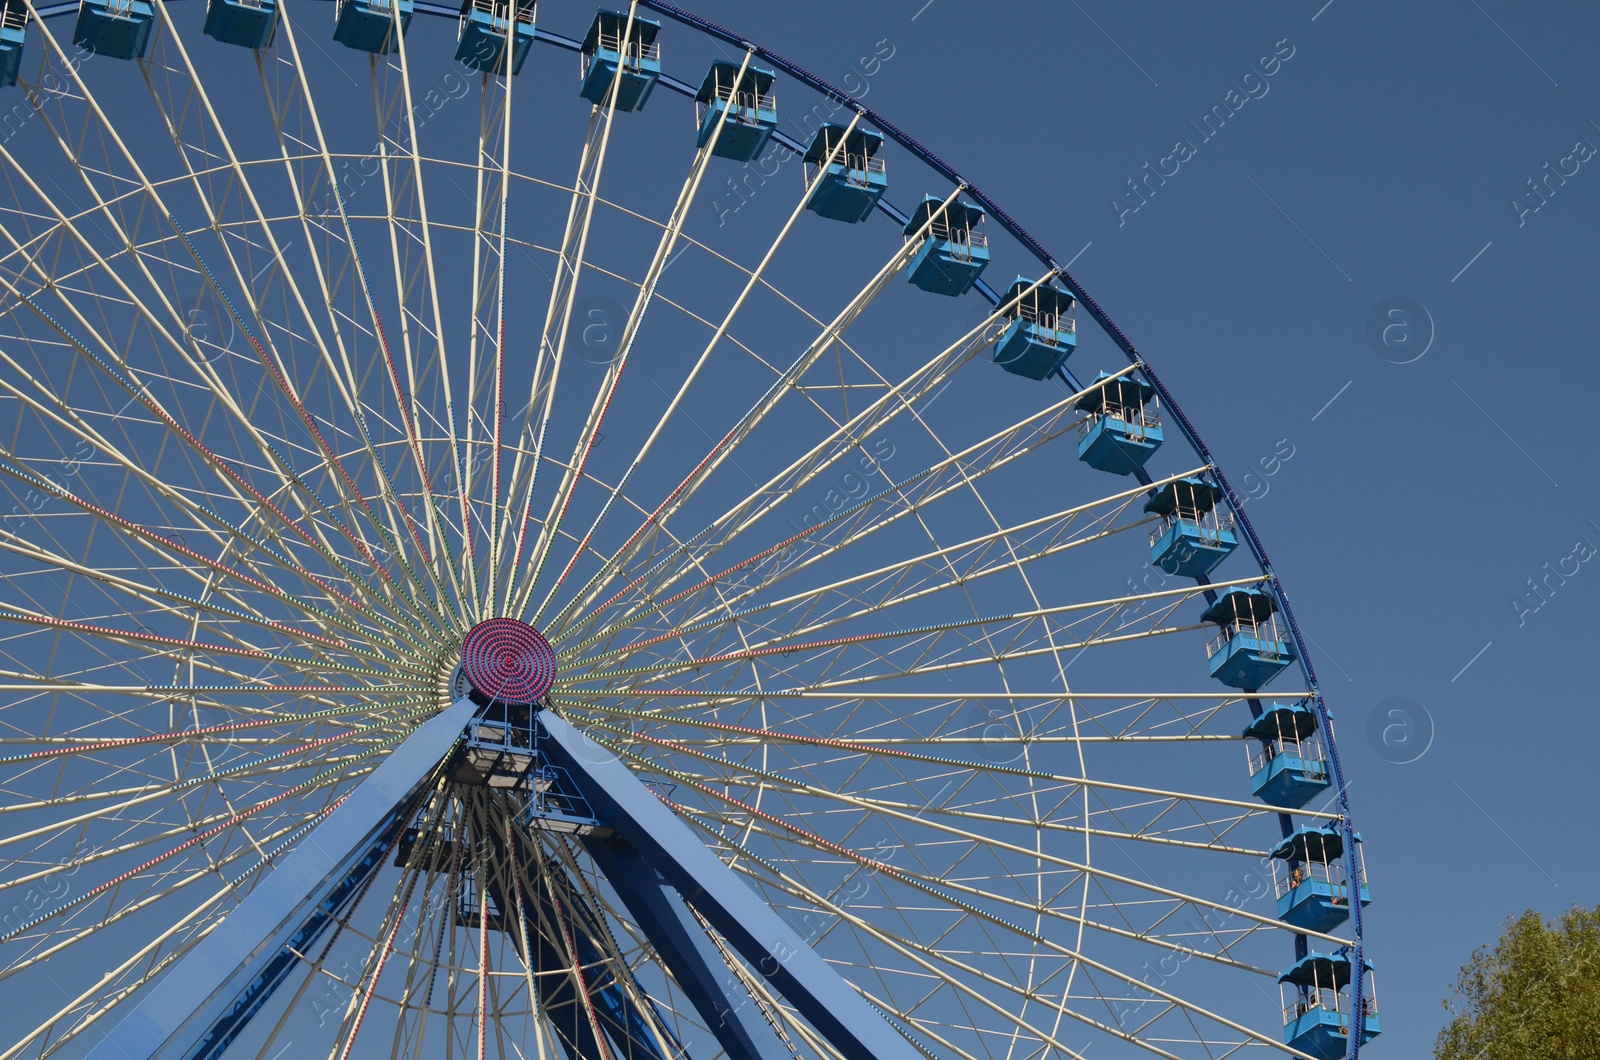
[1109, 326]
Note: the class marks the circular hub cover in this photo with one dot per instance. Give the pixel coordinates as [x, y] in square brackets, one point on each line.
[508, 661]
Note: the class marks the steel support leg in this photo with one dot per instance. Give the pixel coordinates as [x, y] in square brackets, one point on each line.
[558, 994]
[839, 1013]
[722, 1002]
[615, 1009]
[629, 1027]
[202, 991]
[215, 1041]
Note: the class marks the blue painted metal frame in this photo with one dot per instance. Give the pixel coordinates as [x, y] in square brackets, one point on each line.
[628, 1027]
[615, 1010]
[1095, 310]
[1289, 781]
[13, 37]
[117, 34]
[242, 24]
[177, 1017]
[842, 1016]
[549, 963]
[214, 1041]
[661, 913]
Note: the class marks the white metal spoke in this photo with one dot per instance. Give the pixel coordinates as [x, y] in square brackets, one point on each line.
[647, 289]
[907, 947]
[126, 157]
[926, 380]
[418, 326]
[656, 516]
[394, 538]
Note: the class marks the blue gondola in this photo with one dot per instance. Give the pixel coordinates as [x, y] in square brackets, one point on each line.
[850, 178]
[118, 28]
[605, 53]
[1193, 534]
[368, 25]
[1317, 1005]
[1311, 880]
[1042, 333]
[13, 33]
[1123, 428]
[247, 23]
[1289, 767]
[750, 106]
[485, 25]
[1248, 650]
[954, 250]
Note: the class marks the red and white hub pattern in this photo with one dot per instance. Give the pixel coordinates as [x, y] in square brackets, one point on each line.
[508, 661]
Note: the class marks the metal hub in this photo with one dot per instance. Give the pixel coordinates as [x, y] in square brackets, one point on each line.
[507, 661]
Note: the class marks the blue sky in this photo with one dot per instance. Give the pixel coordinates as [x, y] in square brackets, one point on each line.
[1388, 158]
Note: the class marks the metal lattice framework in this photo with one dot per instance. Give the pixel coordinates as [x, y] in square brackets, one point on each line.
[484, 574]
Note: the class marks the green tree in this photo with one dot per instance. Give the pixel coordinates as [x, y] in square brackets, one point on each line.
[1534, 996]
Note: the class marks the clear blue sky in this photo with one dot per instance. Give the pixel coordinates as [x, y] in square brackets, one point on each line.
[1383, 161]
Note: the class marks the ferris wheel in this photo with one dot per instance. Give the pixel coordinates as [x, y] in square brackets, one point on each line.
[520, 541]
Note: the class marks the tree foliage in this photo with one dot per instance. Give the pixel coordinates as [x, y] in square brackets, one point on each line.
[1534, 996]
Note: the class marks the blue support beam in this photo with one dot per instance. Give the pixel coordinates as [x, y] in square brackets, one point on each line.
[178, 1014]
[684, 948]
[215, 1040]
[616, 1011]
[558, 994]
[840, 1014]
